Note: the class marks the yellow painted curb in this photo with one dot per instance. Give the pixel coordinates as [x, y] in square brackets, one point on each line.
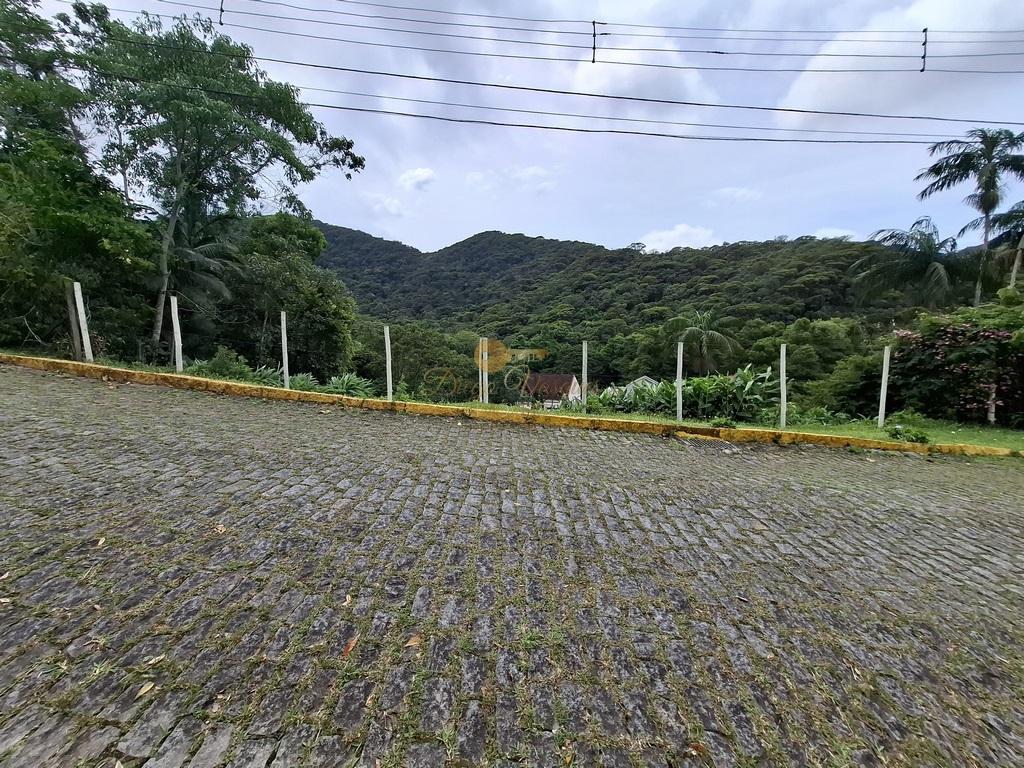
[773, 436]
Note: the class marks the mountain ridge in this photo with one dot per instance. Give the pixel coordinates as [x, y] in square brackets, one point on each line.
[502, 283]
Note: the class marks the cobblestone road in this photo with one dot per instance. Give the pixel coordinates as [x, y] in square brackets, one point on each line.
[194, 580]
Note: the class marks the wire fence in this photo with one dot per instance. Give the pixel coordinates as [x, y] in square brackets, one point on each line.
[507, 375]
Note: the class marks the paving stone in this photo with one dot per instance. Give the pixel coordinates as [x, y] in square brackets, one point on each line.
[472, 734]
[425, 756]
[438, 699]
[255, 753]
[151, 728]
[618, 599]
[90, 744]
[351, 709]
[177, 747]
[214, 746]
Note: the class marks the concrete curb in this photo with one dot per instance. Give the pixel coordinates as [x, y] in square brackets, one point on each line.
[772, 436]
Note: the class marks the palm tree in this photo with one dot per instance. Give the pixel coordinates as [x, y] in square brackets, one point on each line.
[1011, 224]
[917, 258]
[986, 158]
[700, 335]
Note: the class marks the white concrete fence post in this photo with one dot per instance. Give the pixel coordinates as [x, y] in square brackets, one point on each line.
[583, 386]
[284, 350]
[387, 360]
[485, 379]
[885, 386]
[179, 364]
[76, 332]
[83, 326]
[679, 381]
[782, 387]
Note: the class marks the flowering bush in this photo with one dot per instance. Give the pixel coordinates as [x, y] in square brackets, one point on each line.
[959, 365]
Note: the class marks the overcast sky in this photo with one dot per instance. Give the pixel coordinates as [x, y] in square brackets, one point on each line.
[430, 184]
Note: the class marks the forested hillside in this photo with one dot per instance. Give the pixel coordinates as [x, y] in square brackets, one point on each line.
[504, 282]
[551, 294]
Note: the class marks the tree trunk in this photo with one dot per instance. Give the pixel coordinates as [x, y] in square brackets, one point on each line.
[981, 262]
[165, 279]
[1016, 262]
[123, 167]
[76, 334]
[165, 256]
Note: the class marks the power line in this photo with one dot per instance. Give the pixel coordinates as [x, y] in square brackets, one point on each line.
[663, 26]
[621, 119]
[561, 92]
[474, 121]
[525, 57]
[613, 118]
[515, 56]
[589, 35]
[784, 54]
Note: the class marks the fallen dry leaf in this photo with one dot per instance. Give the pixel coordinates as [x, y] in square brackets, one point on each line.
[156, 660]
[146, 688]
[100, 542]
[96, 607]
[348, 601]
[6, 574]
[220, 528]
[349, 646]
[5, 599]
[414, 642]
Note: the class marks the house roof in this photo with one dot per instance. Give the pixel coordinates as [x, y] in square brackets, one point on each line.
[549, 386]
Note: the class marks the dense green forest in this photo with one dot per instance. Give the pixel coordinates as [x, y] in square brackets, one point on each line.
[632, 307]
[134, 159]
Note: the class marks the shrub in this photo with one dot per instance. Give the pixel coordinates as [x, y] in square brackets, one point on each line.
[351, 385]
[852, 386]
[951, 365]
[225, 363]
[908, 418]
[816, 415]
[1010, 297]
[267, 376]
[737, 397]
[906, 434]
[304, 382]
[721, 421]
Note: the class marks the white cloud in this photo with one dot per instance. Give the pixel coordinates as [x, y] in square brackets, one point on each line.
[533, 178]
[680, 236]
[827, 232]
[911, 92]
[382, 204]
[529, 173]
[736, 195]
[416, 178]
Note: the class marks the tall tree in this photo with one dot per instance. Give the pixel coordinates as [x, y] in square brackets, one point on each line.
[917, 259]
[702, 340]
[187, 115]
[987, 158]
[1010, 223]
[277, 272]
[59, 220]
